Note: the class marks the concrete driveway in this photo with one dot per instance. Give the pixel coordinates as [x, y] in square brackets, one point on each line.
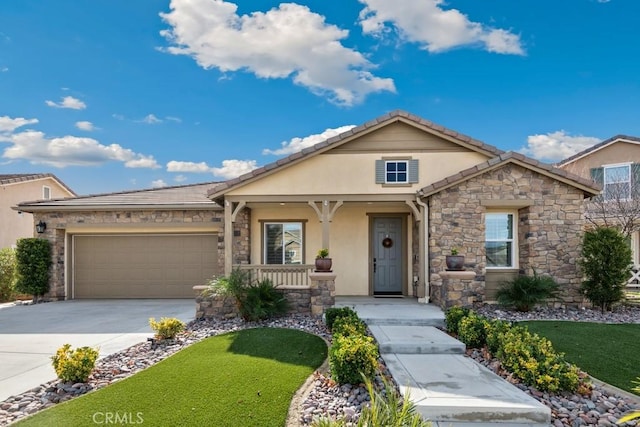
[30, 335]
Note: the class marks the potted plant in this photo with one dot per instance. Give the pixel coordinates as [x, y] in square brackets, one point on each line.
[323, 262]
[454, 261]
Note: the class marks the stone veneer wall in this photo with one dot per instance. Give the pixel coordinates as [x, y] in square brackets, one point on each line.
[549, 231]
[242, 238]
[58, 222]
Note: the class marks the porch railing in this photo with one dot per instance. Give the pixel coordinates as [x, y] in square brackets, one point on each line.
[283, 275]
[634, 281]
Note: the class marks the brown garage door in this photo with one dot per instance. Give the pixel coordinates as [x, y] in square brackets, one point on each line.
[142, 266]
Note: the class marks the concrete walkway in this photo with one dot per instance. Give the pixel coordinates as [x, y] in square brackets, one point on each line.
[447, 387]
[30, 335]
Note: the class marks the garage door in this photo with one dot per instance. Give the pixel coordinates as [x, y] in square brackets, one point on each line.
[142, 266]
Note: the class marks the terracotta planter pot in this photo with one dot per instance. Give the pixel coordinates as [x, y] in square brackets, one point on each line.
[323, 264]
[455, 262]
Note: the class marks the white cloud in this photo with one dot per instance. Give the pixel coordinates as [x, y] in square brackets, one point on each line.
[298, 144]
[85, 125]
[233, 168]
[191, 167]
[117, 116]
[180, 178]
[4, 69]
[230, 168]
[173, 119]
[68, 102]
[150, 119]
[435, 29]
[289, 41]
[158, 183]
[8, 124]
[69, 150]
[556, 146]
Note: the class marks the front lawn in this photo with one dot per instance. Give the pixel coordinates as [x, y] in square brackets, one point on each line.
[605, 351]
[243, 378]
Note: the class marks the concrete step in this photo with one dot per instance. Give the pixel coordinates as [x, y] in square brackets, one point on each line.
[415, 340]
[394, 312]
[454, 390]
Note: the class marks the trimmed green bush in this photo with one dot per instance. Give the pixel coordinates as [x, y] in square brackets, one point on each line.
[524, 292]
[453, 316]
[331, 314]
[352, 358]
[606, 264]
[472, 330]
[74, 365]
[33, 259]
[496, 329]
[167, 328]
[349, 326]
[7, 274]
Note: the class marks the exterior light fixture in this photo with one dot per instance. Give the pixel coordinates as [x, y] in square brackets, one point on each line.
[41, 226]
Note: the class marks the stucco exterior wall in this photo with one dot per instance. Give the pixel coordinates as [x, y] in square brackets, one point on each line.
[14, 225]
[618, 152]
[549, 230]
[62, 225]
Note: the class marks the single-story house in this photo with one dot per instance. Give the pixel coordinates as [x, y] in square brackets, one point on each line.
[389, 199]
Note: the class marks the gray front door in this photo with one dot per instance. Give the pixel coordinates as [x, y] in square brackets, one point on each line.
[387, 256]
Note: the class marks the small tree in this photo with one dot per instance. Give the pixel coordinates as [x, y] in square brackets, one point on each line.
[7, 274]
[33, 258]
[606, 264]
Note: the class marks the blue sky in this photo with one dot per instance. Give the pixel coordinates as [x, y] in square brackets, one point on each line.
[112, 95]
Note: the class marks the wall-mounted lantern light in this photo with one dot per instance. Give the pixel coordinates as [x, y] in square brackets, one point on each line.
[41, 226]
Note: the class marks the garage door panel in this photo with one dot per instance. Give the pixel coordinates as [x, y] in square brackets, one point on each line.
[142, 266]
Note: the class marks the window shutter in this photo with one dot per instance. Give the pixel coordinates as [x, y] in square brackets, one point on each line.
[413, 170]
[635, 181]
[380, 172]
[597, 174]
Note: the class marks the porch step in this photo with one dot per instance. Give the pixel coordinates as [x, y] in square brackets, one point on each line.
[415, 340]
[392, 311]
[454, 390]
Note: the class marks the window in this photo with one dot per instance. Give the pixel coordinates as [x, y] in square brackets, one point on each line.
[283, 243]
[46, 192]
[617, 182]
[499, 240]
[396, 171]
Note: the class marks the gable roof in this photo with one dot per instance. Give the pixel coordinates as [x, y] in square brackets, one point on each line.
[599, 146]
[356, 132]
[589, 187]
[16, 178]
[177, 197]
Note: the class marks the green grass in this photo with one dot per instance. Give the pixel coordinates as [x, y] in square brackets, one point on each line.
[608, 352]
[244, 378]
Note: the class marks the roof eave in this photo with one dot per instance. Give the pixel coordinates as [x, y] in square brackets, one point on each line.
[32, 208]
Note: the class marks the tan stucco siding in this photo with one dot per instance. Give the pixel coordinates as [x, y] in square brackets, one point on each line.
[349, 237]
[14, 225]
[355, 174]
[618, 152]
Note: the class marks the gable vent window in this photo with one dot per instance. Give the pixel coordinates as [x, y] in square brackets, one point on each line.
[396, 171]
[46, 192]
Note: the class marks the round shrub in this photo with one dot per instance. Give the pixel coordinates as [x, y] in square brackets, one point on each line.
[349, 326]
[167, 327]
[353, 358]
[7, 274]
[472, 330]
[333, 313]
[453, 316]
[74, 365]
[525, 292]
[495, 331]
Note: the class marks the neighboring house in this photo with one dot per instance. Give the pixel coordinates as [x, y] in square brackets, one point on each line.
[389, 199]
[615, 165]
[16, 188]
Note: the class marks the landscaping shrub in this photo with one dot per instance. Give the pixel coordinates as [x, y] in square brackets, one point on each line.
[495, 331]
[261, 301]
[472, 330]
[331, 314]
[33, 259]
[74, 365]
[349, 326]
[7, 274]
[453, 316]
[533, 360]
[606, 264]
[167, 328]
[353, 357]
[524, 292]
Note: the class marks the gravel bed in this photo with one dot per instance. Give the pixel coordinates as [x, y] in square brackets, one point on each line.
[324, 398]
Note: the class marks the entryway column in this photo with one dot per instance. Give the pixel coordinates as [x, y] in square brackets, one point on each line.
[325, 216]
[230, 214]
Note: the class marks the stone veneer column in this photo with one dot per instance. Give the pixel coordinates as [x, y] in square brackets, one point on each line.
[457, 289]
[323, 292]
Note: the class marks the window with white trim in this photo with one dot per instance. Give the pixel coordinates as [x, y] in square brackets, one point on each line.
[283, 242]
[397, 171]
[46, 192]
[617, 182]
[500, 244]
